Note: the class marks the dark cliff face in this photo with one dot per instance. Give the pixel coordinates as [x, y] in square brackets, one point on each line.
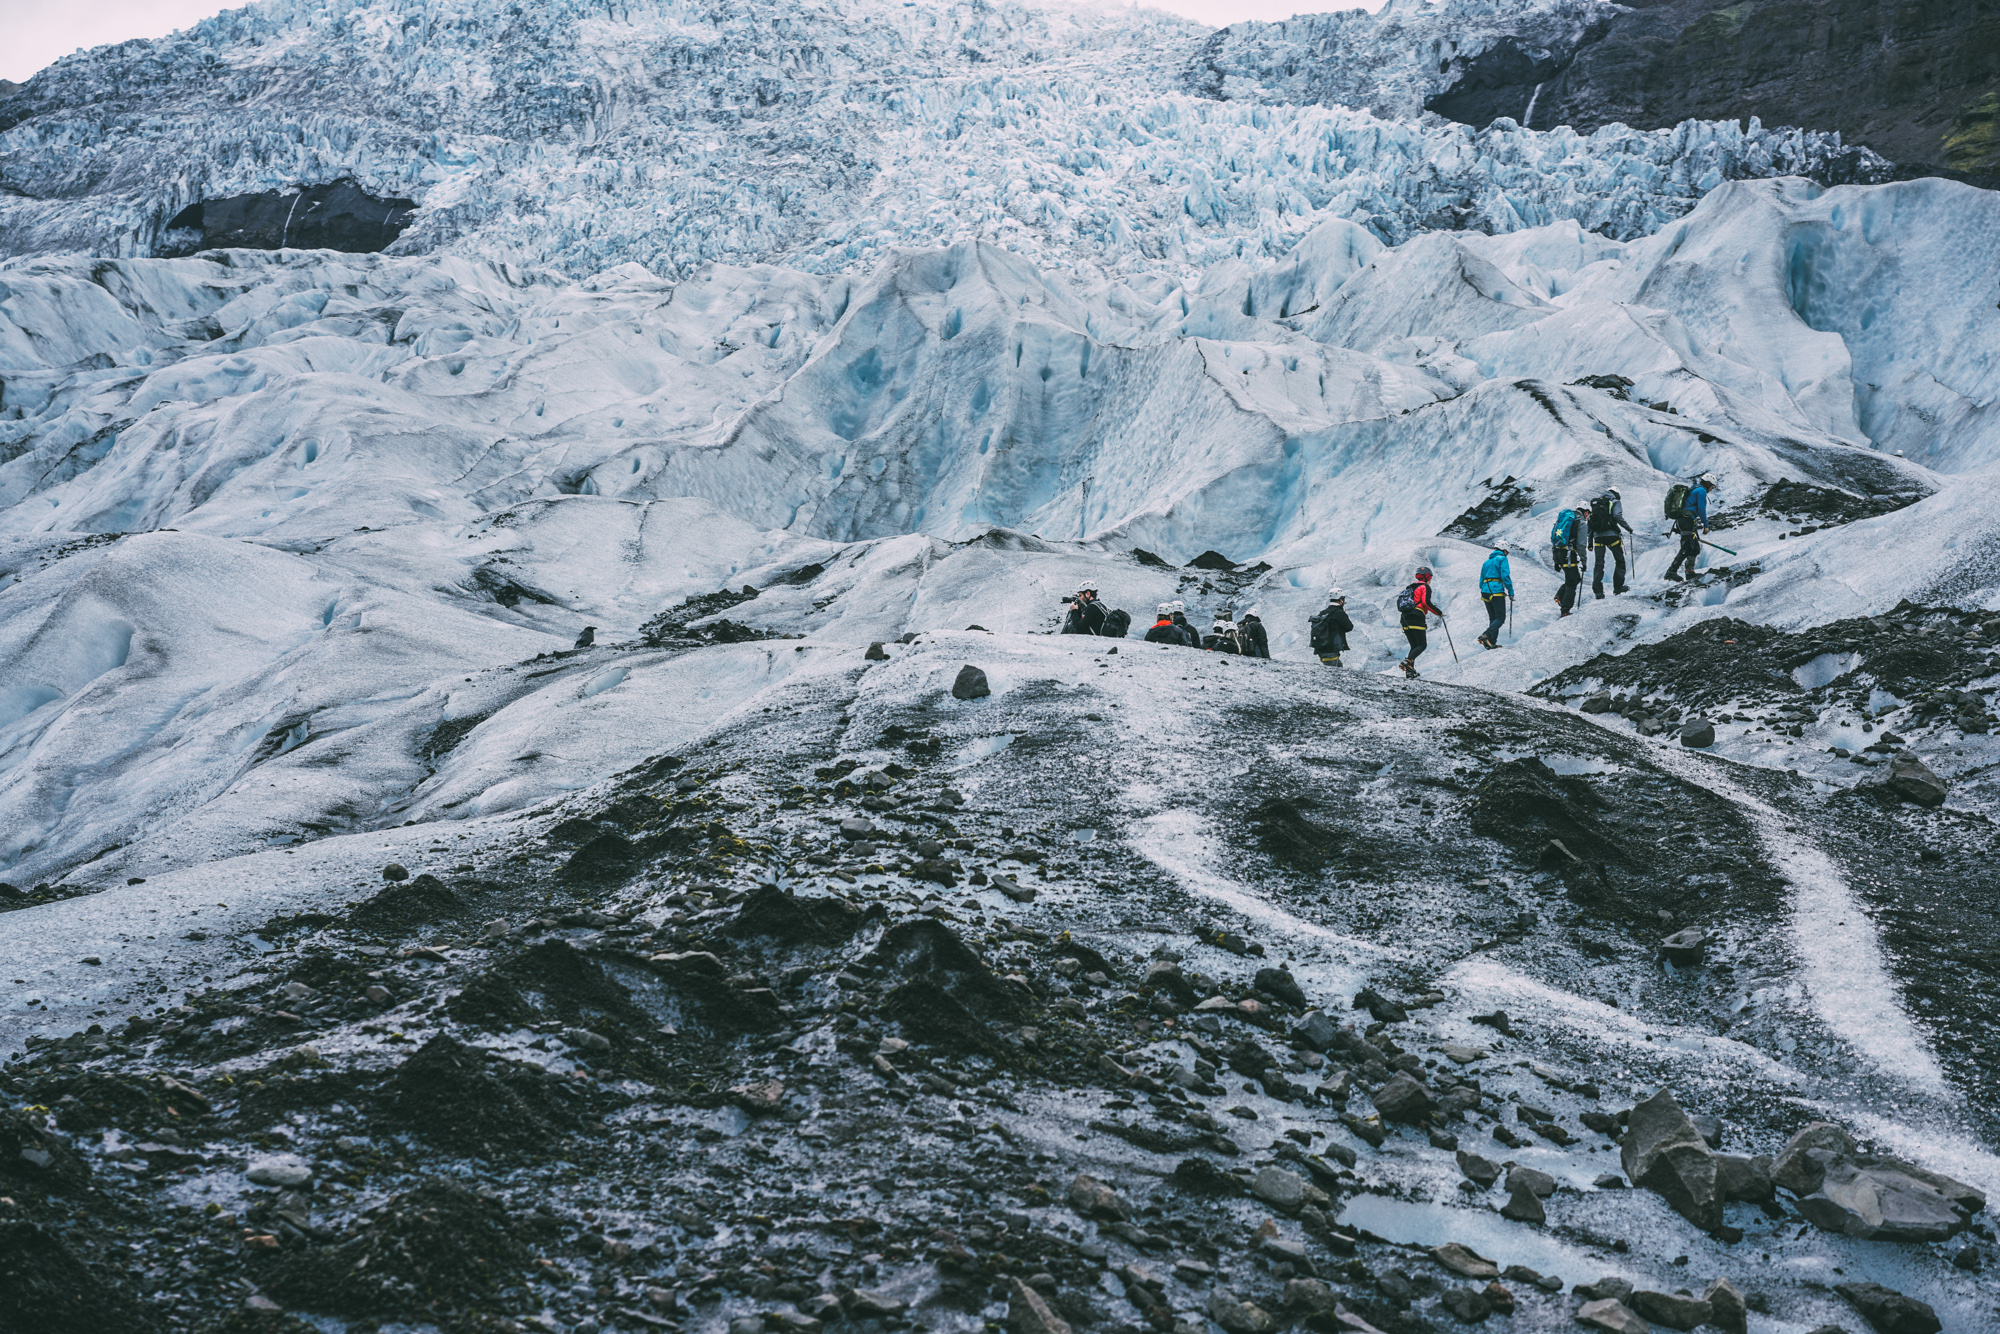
[1917, 82]
[338, 216]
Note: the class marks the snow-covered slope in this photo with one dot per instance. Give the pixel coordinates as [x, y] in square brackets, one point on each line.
[346, 482]
[674, 132]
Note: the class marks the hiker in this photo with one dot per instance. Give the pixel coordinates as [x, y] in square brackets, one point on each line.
[1330, 628]
[1086, 613]
[1164, 630]
[1256, 643]
[1496, 585]
[1566, 541]
[1222, 636]
[1189, 635]
[1415, 604]
[1687, 507]
[1607, 516]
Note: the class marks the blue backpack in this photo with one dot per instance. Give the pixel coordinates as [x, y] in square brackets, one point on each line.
[1565, 524]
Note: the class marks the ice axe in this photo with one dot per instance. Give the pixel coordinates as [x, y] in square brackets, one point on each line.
[1447, 636]
[1717, 545]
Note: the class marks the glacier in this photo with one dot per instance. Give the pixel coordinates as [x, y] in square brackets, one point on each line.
[669, 134]
[811, 353]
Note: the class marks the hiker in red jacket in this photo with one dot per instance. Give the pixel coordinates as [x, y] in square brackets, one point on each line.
[1415, 604]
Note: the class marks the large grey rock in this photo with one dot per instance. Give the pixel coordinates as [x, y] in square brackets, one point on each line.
[1743, 1178]
[1404, 1099]
[1698, 732]
[1882, 1203]
[1665, 1154]
[1279, 1188]
[1610, 1314]
[1317, 1030]
[1279, 983]
[1802, 1163]
[1540, 1183]
[1728, 1311]
[1463, 1260]
[970, 684]
[1889, 1311]
[1522, 1205]
[1671, 1309]
[1911, 779]
[1482, 1170]
[1027, 1313]
[1093, 1199]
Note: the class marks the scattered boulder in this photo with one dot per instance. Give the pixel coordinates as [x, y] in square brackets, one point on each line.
[970, 684]
[1698, 733]
[1673, 1310]
[1538, 1183]
[1027, 1313]
[1912, 780]
[1279, 983]
[1889, 1311]
[1684, 949]
[1464, 1261]
[1743, 1178]
[1279, 1188]
[1610, 1314]
[1802, 1163]
[1598, 703]
[876, 653]
[286, 1170]
[1484, 1171]
[1466, 1304]
[1728, 1311]
[1384, 1010]
[854, 829]
[1404, 1099]
[1522, 1205]
[395, 871]
[1664, 1153]
[1093, 1199]
[1884, 1202]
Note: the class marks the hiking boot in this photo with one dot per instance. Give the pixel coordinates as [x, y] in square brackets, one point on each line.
[1620, 588]
[1409, 668]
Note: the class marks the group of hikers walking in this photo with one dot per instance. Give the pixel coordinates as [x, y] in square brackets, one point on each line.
[1578, 531]
[1246, 638]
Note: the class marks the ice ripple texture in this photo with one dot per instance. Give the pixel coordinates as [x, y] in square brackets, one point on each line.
[673, 132]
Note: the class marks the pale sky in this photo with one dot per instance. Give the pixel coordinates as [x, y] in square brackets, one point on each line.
[41, 31]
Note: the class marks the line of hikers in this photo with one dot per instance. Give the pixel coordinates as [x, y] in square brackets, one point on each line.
[1577, 530]
[1247, 638]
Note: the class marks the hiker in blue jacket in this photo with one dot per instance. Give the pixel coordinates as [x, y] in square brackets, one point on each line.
[1496, 585]
[1566, 545]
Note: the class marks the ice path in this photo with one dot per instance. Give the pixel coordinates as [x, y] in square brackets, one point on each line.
[1840, 955]
[1177, 841]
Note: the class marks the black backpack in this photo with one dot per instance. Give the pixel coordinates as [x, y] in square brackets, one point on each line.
[1600, 515]
[1116, 624]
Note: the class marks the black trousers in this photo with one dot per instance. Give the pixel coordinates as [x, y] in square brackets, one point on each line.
[1496, 616]
[1617, 545]
[1690, 549]
[1568, 565]
[1419, 641]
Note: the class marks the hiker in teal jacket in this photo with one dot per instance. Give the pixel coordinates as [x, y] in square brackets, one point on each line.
[1496, 585]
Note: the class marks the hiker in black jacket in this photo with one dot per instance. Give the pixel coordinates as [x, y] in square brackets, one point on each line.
[1086, 613]
[1256, 643]
[1330, 628]
[1189, 635]
[1607, 516]
[1164, 630]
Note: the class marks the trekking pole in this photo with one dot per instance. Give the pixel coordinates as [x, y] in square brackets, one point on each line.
[1447, 637]
[1717, 545]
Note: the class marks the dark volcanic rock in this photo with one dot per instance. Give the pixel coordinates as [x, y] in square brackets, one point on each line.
[451, 1095]
[410, 903]
[336, 216]
[970, 684]
[440, 1240]
[1889, 1311]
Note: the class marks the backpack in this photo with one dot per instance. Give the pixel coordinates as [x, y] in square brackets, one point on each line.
[1407, 600]
[1322, 628]
[1600, 515]
[1116, 624]
[1565, 524]
[1677, 499]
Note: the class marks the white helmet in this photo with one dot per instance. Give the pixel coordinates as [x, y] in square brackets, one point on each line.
[1166, 609]
[1087, 586]
[1336, 595]
[1177, 605]
[1222, 619]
